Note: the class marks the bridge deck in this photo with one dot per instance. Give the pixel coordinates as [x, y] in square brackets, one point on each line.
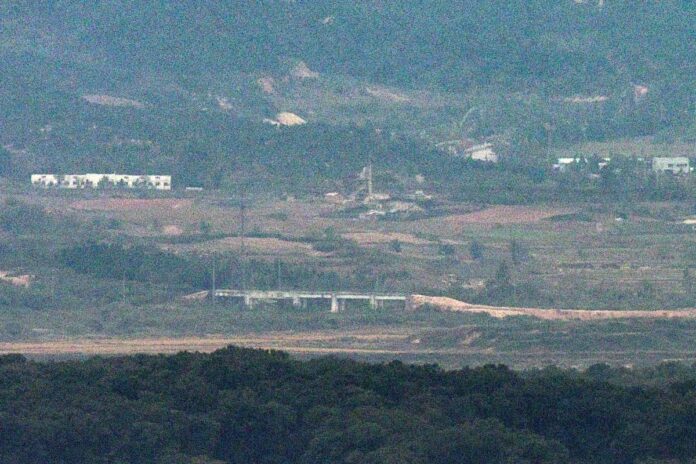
[300, 297]
[282, 294]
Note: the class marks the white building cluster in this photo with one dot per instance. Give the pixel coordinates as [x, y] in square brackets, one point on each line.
[672, 165]
[77, 181]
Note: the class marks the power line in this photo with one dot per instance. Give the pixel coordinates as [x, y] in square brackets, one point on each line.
[242, 245]
[213, 279]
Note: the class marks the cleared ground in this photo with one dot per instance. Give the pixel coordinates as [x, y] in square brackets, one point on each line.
[450, 304]
[592, 257]
[454, 347]
[585, 252]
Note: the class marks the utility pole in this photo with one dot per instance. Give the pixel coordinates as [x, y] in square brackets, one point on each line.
[278, 273]
[53, 283]
[123, 287]
[213, 280]
[242, 245]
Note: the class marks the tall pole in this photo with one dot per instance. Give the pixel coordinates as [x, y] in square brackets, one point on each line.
[123, 287]
[278, 273]
[242, 245]
[213, 280]
[53, 283]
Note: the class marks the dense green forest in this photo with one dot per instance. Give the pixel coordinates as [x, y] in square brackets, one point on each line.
[238, 405]
[455, 44]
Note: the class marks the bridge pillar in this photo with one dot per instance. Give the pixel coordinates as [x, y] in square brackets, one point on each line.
[342, 305]
[248, 302]
[373, 302]
[296, 301]
[334, 304]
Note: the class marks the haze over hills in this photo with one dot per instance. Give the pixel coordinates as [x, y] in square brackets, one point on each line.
[108, 84]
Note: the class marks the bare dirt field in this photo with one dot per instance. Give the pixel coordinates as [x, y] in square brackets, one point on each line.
[450, 304]
[131, 204]
[504, 215]
[364, 341]
[371, 344]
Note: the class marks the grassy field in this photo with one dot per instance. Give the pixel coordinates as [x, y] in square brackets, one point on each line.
[591, 247]
[451, 340]
[588, 256]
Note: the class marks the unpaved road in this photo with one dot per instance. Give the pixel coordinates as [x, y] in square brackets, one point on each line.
[382, 342]
[385, 347]
[450, 304]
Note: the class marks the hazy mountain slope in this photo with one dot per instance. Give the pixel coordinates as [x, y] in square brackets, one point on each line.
[523, 72]
[455, 44]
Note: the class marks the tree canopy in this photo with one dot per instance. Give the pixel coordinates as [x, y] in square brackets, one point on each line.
[240, 405]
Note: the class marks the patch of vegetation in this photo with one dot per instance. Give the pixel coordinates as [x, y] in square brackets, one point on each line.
[23, 218]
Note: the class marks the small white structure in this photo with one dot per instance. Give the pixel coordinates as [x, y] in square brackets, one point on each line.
[671, 165]
[418, 195]
[78, 181]
[564, 164]
[467, 148]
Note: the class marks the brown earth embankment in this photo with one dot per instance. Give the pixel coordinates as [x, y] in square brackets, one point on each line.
[450, 304]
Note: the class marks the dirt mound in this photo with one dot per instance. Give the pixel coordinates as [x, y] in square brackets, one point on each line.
[289, 119]
[450, 304]
[130, 204]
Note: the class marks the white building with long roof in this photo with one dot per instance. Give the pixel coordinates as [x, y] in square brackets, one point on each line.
[91, 180]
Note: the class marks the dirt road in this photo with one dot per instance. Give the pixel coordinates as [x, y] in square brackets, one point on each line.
[316, 342]
[450, 304]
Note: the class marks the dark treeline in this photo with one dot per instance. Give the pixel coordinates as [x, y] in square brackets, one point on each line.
[237, 155]
[239, 405]
[146, 264]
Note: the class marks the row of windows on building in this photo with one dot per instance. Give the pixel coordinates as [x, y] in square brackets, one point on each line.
[76, 181]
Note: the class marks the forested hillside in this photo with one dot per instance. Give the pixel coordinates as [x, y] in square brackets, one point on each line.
[240, 405]
[570, 45]
[197, 80]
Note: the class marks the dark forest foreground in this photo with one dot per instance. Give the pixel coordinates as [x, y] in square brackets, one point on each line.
[239, 405]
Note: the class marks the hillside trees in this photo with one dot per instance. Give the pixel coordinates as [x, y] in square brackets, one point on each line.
[245, 405]
[558, 45]
[516, 64]
[5, 162]
[22, 218]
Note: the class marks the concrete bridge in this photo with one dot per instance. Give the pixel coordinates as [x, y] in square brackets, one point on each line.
[300, 298]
